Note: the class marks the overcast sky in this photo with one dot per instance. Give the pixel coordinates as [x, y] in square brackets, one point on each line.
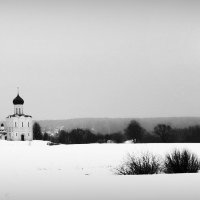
[100, 58]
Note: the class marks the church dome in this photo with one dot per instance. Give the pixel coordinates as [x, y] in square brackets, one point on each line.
[18, 100]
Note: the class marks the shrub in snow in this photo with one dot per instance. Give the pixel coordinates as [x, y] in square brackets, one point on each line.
[146, 164]
[181, 162]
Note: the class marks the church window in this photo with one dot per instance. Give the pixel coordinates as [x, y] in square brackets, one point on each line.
[22, 124]
[28, 124]
[15, 124]
[16, 134]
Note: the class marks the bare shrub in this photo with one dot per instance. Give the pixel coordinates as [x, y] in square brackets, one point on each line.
[181, 162]
[146, 164]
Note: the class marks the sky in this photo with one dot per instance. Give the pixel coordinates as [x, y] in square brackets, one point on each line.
[82, 58]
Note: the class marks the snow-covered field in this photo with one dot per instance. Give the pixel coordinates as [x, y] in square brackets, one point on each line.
[34, 170]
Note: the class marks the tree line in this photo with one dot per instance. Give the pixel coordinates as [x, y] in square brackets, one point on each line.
[162, 133]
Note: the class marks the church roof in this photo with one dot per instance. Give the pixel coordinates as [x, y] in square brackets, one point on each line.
[20, 115]
[18, 100]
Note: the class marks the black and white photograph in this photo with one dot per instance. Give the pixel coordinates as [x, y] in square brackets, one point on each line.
[100, 100]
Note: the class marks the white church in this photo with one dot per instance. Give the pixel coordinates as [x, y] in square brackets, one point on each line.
[18, 127]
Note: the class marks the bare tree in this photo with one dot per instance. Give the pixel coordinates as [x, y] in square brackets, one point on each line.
[134, 131]
[163, 131]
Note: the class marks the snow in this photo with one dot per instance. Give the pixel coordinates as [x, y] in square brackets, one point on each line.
[38, 171]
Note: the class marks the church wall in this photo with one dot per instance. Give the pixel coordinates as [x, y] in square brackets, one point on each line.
[17, 126]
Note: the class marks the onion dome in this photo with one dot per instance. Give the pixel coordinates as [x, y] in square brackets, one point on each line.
[18, 100]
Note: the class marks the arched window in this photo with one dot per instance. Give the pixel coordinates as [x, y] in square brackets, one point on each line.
[28, 124]
[16, 134]
[15, 124]
[22, 124]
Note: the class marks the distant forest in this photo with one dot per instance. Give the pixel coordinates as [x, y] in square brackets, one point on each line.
[134, 132]
[112, 125]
